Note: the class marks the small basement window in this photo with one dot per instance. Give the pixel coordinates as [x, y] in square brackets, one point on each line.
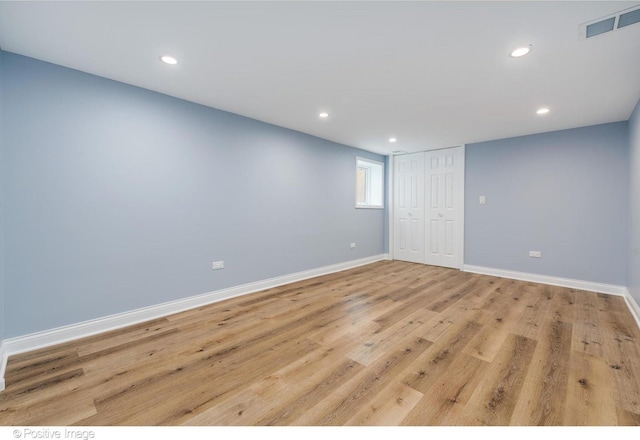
[369, 183]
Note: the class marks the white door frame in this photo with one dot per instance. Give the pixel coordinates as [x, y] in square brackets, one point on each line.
[390, 204]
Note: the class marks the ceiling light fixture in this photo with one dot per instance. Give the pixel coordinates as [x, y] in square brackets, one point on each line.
[392, 140]
[323, 115]
[168, 59]
[542, 111]
[520, 52]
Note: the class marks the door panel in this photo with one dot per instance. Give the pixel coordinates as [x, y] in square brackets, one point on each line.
[409, 207]
[444, 206]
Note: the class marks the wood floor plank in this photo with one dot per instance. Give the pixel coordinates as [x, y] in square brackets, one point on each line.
[444, 402]
[216, 377]
[455, 291]
[620, 355]
[344, 404]
[494, 401]
[34, 372]
[351, 334]
[401, 310]
[470, 308]
[32, 405]
[383, 341]
[288, 386]
[487, 342]
[563, 304]
[389, 343]
[388, 408]
[458, 314]
[544, 391]
[327, 382]
[626, 418]
[537, 301]
[239, 411]
[620, 350]
[439, 358]
[129, 336]
[587, 330]
[590, 395]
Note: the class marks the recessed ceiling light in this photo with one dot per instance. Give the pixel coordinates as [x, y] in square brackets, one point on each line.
[542, 111]
[169, 60]
[323, 115]
[520, 52]
[392, 140]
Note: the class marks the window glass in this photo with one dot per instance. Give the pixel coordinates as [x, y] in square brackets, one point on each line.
[369, 183]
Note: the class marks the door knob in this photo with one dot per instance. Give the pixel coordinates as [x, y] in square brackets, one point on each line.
[439, 214]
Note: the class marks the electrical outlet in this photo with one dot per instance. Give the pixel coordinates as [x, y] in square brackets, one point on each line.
[216, 265]
[535, 254]
[353, 245]
[483, 200]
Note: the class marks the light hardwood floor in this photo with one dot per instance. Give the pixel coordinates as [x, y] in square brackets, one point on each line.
[391, 343]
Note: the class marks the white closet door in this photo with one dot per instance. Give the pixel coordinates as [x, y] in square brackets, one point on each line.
[408, 207]
[444, 179]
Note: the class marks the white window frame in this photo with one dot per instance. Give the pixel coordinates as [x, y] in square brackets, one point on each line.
[374, 191]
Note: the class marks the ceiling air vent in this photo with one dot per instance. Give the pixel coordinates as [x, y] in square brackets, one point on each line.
[610, 23]
[600, 27]
[628, 18]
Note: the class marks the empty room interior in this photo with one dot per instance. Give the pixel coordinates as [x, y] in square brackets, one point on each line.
[320, 213]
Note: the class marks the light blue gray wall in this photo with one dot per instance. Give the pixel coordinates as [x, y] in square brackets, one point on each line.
[118, 198]
[2, 314]
[563, 193]
[633, 276]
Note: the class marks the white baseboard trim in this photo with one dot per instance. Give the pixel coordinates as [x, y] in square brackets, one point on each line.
[611, 289]
[35, 341]
[633, 306]
[3, 363]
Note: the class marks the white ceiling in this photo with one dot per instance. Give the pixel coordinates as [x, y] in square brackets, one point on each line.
[433, 74]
